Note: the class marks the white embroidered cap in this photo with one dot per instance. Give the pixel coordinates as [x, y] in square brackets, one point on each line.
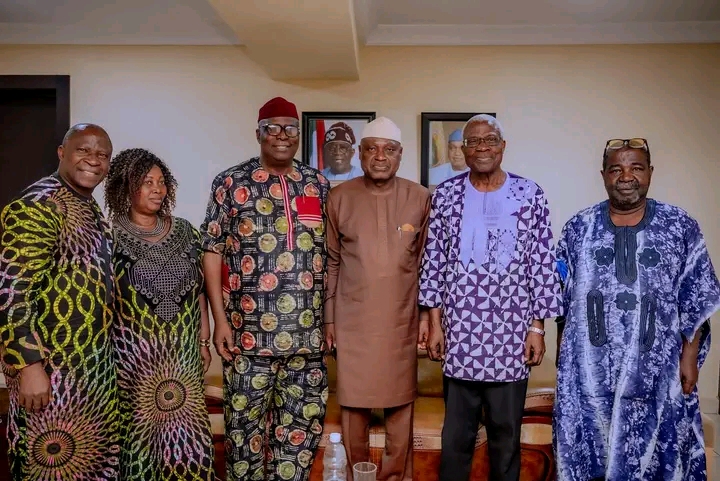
[382, 128]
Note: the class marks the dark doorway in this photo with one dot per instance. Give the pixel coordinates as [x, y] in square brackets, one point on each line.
[34, 114]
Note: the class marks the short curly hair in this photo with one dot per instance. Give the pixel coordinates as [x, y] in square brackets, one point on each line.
[127, 172]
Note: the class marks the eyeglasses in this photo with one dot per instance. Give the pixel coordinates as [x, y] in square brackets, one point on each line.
[634, 143]
[490, 141]
[275, 129]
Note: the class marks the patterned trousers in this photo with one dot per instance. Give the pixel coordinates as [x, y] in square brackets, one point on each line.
[276, 403]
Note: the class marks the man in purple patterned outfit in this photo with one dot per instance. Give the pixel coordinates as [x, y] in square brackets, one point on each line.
[488, 278]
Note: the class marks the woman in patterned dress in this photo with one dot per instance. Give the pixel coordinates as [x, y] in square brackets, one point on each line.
[162, 331]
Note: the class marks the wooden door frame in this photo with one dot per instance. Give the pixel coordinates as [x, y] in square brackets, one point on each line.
[59, 83]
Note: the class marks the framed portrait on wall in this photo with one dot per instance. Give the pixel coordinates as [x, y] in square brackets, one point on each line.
[330, 143]
[441, 155]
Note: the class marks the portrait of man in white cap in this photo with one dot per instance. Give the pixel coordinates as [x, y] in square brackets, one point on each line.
[376, 230]
[338, 152]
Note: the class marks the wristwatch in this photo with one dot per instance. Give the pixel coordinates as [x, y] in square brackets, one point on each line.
[536, 330]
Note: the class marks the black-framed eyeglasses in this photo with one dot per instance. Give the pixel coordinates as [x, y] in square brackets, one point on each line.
[275, 129]
[634, 143]
[490, 141]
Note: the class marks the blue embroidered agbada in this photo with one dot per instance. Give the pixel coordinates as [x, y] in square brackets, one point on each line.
[630, 295]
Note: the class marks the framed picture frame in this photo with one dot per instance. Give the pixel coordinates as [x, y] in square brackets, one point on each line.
[330, 143]
[440, 139]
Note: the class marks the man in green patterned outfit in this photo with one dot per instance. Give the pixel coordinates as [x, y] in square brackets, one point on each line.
[56, 286]
[265, 222]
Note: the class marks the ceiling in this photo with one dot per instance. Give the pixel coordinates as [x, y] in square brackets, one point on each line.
[531, 22]
[123, 22]
[543, 12]
[377, 22]
[320, 39]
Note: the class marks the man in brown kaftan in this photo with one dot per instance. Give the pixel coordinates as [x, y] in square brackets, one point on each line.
[376, 230]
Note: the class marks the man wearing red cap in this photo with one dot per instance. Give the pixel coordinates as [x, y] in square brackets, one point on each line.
[265, 222]
[338, 150]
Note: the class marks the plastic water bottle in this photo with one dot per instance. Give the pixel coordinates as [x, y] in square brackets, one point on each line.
[335, 460]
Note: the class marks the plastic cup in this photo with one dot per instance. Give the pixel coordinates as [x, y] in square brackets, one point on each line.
[364, 472]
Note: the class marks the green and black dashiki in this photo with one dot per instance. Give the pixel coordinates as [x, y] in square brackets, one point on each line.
[56, 289]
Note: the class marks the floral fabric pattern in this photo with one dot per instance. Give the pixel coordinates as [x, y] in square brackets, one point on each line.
[270, 231]
[626, 301]
[620, 412]
[292, 392]
[649, 258]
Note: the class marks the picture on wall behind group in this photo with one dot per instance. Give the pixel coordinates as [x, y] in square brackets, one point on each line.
[330, 143]
[441, 155]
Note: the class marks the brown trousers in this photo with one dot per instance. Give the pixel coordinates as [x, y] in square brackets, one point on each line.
[397, 462]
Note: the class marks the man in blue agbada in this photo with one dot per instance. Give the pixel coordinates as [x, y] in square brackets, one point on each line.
[639, 287]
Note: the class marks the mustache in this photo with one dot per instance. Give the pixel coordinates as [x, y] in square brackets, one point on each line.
[627, 185]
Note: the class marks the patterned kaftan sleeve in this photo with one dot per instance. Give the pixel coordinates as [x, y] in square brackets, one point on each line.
[197, 244]
[30, 234]
[214, 229]
[699, 290]
[324, 196]
[325, 253]
[562, 266]
[545, 296]
[434, 263]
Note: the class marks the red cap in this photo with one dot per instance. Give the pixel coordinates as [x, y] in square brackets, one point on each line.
[277, 107]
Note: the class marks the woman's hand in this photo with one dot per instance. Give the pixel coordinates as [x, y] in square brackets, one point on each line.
[206, 358]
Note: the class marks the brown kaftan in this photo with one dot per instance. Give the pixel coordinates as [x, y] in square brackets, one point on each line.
[375, 243]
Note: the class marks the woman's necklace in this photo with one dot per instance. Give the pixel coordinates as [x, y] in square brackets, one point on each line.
[137, 231]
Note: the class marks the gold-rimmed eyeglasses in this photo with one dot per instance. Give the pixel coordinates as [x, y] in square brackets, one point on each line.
[634, 143]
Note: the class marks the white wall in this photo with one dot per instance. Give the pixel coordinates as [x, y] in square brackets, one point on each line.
[196, 107]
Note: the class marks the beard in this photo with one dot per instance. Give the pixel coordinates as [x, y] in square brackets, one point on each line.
[627, 196]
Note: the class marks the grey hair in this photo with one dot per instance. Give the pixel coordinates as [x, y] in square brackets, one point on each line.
[485, 119]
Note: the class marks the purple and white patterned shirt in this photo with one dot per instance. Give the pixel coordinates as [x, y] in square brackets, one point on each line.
[489, 303]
